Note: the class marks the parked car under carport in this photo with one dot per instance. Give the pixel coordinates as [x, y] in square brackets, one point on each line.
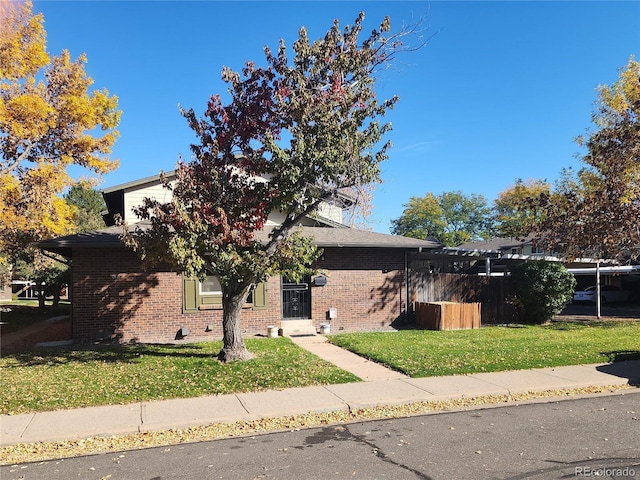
[608, 294]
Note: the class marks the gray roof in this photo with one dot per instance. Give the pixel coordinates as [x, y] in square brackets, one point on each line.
[107, 237]
[353, 237]
[493, 245]
[323, 237]
[139, 183]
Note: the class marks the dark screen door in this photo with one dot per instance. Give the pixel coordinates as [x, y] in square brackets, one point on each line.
[296, 298]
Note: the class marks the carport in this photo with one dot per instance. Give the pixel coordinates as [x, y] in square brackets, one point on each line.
[630, 273]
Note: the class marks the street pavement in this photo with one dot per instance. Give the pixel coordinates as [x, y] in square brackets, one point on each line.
[381, 386]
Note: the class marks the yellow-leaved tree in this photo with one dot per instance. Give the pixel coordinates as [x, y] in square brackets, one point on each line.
[512, 214]
[49, 120]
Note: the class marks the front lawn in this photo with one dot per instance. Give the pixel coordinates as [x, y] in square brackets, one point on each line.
[55, 379]
[423, 353]
[50, 380]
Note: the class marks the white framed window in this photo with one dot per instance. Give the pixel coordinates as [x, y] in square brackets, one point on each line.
[210, 286]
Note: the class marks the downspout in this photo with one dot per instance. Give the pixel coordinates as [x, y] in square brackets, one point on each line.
[407, 281]
[409, 287]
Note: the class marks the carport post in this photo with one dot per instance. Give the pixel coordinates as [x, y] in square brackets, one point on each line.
[598, 288]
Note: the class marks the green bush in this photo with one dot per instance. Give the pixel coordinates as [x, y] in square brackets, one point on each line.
[541, 290]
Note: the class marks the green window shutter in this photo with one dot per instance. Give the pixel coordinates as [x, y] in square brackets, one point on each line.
[260, 296]
[215, 299]
[190, 293]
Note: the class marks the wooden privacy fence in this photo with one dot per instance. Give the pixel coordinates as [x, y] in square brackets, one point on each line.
[490, 292]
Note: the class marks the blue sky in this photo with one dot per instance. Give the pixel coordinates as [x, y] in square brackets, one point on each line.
[499, 93]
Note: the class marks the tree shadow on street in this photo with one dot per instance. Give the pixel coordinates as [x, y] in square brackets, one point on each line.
[624, 365]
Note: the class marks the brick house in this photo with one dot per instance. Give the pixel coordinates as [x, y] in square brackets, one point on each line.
[363, 285]
[5, 287]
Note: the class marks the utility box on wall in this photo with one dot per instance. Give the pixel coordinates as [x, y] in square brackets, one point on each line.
[447, 315]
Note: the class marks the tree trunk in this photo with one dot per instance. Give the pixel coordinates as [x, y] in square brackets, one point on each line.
[56, 297]
[234, 347]
[41, 296]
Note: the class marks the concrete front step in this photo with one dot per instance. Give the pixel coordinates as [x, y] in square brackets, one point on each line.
[297, 327]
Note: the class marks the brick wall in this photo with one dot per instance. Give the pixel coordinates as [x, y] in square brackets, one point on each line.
[5, 287]
[112, 295]
[365, 285]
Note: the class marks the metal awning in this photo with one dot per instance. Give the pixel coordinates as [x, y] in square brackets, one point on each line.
[618, 269]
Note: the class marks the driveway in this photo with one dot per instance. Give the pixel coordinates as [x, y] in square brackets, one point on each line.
[587, 311]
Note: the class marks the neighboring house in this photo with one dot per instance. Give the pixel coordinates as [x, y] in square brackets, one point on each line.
[5, 288]
[506, 247]
[363, 285]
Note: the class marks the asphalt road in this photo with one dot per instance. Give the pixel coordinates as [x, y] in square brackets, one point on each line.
[591, 437]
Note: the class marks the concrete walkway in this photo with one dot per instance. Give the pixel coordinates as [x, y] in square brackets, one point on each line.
[361, 367]
[383, 387]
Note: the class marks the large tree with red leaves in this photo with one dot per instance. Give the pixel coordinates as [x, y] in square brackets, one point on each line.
[294, 134]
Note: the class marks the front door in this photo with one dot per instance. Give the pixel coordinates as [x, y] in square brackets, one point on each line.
[296, 299]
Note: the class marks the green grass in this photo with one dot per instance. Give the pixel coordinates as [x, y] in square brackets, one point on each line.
[23, 313]
[55, 379]
[423, 353]
[50, 380]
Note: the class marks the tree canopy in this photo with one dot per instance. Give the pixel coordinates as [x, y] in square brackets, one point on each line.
[88, 206]
[298, 132]
[595, 211]
[512, 215]
[49, 120]
[452, 218]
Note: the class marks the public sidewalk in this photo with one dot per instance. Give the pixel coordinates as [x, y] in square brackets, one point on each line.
[381, 387]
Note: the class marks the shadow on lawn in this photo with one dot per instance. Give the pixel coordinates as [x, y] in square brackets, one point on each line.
[583, 324]
[106, 354]
[622, 355]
